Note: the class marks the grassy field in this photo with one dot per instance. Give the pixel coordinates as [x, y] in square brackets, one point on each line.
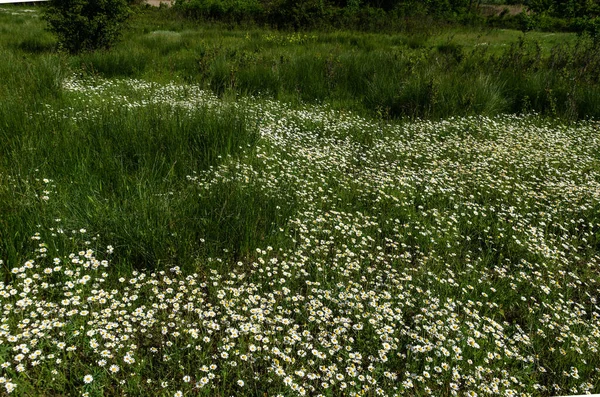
[203, 211]
[429, 71]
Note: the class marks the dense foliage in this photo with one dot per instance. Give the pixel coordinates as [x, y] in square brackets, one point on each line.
[565, 15]
[566, 8]
[83, 25]
[311, 13]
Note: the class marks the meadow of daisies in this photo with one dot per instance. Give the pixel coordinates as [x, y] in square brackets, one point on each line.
[456, 257]
[157, 239]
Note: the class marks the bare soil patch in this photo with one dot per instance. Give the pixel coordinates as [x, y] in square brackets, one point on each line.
[156, 3]
[490, 9]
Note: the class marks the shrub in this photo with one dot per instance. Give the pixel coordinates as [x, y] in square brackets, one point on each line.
[86, 25]
[588, 26]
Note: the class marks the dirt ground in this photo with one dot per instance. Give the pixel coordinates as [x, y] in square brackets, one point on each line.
[489, 9]
[156, 3]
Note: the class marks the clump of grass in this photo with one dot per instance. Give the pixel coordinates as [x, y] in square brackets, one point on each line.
[123, 62]
[123, 166]
[32, 79]
[40, 42]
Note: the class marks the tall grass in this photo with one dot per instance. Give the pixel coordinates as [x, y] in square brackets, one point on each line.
[425, 73]
[124, 167]
[121, 171]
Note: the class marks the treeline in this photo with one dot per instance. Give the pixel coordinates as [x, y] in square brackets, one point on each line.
[565, 15]
[556, 8]
[565, 8]
[562, 15]
[299, 14]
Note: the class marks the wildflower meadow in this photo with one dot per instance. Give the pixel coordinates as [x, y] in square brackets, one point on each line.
[159, 239]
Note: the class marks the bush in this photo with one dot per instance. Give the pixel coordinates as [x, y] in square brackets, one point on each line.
[588, 26]
[86, 25]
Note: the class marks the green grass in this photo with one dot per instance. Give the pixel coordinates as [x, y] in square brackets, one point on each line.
[202, 211]
[121, 160]
[431, 73]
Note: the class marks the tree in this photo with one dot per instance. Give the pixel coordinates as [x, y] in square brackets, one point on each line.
[566, 8]
[86, 25]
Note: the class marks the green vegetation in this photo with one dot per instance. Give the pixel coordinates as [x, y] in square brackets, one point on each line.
[86, 25]
[214, 209]
[374, 15]
[322, 13]
[430, 73]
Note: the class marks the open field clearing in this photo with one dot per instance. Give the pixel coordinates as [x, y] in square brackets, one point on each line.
[328, 254]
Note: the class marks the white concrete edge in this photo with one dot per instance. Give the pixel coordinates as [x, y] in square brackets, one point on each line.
[19, 1]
